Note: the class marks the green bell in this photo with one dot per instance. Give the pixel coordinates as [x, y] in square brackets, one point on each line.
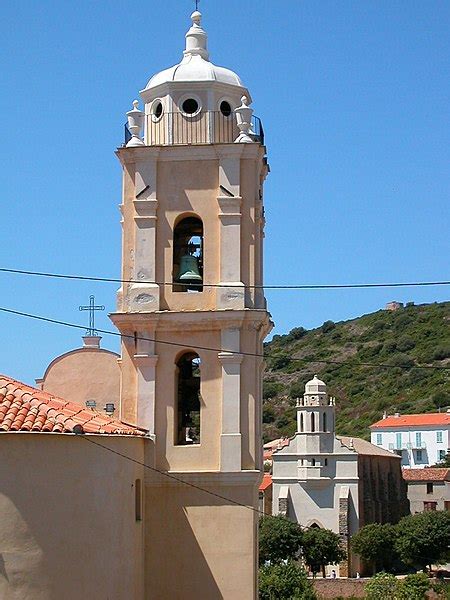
[189, 271]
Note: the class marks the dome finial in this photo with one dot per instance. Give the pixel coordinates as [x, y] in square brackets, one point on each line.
[196, 38]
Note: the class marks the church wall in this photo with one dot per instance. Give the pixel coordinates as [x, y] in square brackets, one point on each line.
[211, 542]
[67, 523]
[85, 374]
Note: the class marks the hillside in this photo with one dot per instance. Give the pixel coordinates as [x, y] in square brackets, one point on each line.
[413, 335]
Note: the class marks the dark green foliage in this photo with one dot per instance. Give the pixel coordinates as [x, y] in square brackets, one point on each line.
[409, 337]
[405, 343]
[295, 334]
[423, 539]
[279, 539]
[271, 389]
[382, 586]
[284, 582]
[414, 587]
[328, 326]
[442, 352]
[268, 414]
[321, 547]
[375, 544]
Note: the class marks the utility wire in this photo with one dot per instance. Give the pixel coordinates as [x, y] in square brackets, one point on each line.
[336, 286]
[87, 438]
[210, 349]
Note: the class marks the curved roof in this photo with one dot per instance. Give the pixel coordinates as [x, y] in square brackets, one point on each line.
[24, 408]
[195, 68]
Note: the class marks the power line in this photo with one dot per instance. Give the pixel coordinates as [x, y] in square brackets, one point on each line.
[210, 349]
[330, 286]
[171, 476]
[87, 438]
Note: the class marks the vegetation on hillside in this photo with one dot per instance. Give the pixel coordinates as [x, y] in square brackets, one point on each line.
[408, 337]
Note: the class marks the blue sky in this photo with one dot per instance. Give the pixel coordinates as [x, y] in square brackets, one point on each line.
[354, 98]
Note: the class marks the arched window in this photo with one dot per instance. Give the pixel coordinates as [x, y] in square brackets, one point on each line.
[188, 399]
[324, 419]
[302, 424]
[313, 422]
[188, 261]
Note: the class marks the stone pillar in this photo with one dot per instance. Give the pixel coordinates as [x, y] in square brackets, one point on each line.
[144, 297]
[344, 532]
[230, 439]
[145, 360]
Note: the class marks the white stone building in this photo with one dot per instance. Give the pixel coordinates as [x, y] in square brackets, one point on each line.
[339, 483]
[420, 440]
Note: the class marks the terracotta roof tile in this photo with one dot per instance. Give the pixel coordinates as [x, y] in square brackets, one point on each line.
[426, 474]
[412, 420]
[24, 408]
[266, 482]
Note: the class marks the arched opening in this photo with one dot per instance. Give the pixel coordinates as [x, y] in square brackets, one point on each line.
[188, 400]
[302, 423]
[324, 421]
[313, 422]
[314, 526]
[187, 274]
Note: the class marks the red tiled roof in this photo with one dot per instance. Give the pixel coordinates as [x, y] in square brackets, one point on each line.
[426, 474]
[266, 482]
[25, 408]
[412, 420]
[270, 447]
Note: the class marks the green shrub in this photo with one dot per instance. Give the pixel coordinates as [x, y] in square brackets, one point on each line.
[295, 334]
[414, 587]
[268, 414]
[405, 343]
[442, 352]
[382, 586]
[328, 326]
[401, 360]
[279, 539]
[278, 361]
[271, 389]
[284, 582]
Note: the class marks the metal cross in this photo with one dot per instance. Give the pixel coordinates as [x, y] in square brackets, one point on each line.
[91, 308]
[196, 4]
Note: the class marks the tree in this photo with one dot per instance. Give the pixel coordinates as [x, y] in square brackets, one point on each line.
[375, 544]
[321, 547]
[279, 539]
[424, 539]
[284, 582]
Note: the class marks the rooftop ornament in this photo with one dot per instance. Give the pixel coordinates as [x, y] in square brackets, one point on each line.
[135, 124]
[244, 122]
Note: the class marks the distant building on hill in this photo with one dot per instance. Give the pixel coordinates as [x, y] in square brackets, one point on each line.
[339, 483]
[394, 305]
[420, 440]
[428, 489]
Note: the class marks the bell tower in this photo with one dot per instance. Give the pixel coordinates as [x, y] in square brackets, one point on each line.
[193, 317]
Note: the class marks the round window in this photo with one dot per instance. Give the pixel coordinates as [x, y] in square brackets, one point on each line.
[225, 108]
[190, 106]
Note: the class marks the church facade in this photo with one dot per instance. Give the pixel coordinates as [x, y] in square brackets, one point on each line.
[335, 482]
[163, 501]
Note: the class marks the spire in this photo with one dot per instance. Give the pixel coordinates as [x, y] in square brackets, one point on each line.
[196, 38]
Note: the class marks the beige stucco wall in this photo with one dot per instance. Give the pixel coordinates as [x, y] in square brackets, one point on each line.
[417, 495]
[84, 374]
[67, 518]
[211, 542]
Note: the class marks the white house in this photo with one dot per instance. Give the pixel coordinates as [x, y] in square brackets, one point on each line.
[420, 440]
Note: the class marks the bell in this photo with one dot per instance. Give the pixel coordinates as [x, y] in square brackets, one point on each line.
[189, 272]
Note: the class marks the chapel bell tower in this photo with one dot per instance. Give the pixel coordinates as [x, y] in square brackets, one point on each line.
[192, 310]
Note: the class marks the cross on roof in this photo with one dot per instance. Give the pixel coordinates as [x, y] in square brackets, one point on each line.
[91, 308]
[196, 4]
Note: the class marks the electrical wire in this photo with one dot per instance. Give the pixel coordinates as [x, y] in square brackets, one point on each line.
[210, 349]
[222, 285]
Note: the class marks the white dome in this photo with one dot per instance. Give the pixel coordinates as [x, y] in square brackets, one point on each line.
[195, 68]
[315, 385]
